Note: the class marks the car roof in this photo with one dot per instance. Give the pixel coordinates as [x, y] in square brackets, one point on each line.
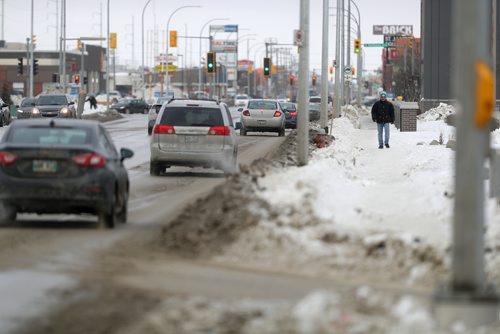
[52, 95]
[199, 103]
[56, 122]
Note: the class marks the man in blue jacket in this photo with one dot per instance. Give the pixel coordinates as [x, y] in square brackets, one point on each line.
[383, 115]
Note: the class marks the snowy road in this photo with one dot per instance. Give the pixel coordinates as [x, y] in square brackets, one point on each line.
[43, 253]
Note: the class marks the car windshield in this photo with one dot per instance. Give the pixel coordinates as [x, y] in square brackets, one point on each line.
[288, 106]
[241, 97]
[314, 106]
[28, 102]
[266, 105]
[49, 100]
[49, 136]
[192, 116]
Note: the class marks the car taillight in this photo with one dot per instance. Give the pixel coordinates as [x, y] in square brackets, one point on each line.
[277, 113]
[246, 113]
[90, 160]
[7, 158]
[219, 131]
[293, 113]
[164, 129]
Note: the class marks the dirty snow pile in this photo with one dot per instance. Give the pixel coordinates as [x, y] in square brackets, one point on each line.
[87, 110]
[354, 114]
[438, 113]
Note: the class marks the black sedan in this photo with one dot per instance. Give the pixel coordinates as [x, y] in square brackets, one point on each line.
[58, 166]
[25, 109]
[128, 106]
[290, 110]
[54, 105]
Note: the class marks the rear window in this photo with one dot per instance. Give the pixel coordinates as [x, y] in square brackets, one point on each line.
[52, 100]
[315, 99]
[241, 97]
[267, 105]
[49, 136]
[288, 106]
[192, 116]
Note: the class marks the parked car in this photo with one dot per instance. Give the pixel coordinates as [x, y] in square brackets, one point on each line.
[61, 166]
[25, 109]
[129, 106]
[263, 116]
[290, 110]
[314, 111]
[154, 110]
[5, 117]
[54, 105]
[241, 100]
[194, 133]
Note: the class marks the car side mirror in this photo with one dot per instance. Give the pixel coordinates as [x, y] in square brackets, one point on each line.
[17, 105]
[240, 109]
[126, 153]
[238, 126]
[71, 103]
[4, 105]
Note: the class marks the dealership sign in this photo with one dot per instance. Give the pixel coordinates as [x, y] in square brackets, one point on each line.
[224, 45]
[399, 30]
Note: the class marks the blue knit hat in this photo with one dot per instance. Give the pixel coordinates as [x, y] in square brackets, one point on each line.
[383, 93]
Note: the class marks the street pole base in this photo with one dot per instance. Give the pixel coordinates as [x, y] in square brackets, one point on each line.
[472, 309]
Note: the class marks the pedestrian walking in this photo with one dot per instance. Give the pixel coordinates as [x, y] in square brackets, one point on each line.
[383, 115]
[93, 102]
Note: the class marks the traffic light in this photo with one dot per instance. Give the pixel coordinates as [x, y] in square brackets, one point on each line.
[79, 44]
[35, 66]
[173, 38]
[33, 41]
[314, 80]
[353, 71]
[267, 67]
[211, 62]
[20, 67]
[410, 43]
[85, 80]
[331, 70]
[77, 78]
[55, 77]
[291, 80]
[112, 40]
[357, 46]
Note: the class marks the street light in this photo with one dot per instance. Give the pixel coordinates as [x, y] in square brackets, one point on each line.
[167, 79]
[142, 76]
[201, 33]
[107, 61]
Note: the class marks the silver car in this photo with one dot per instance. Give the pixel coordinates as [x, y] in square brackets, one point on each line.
[263, 116]
[194, 133]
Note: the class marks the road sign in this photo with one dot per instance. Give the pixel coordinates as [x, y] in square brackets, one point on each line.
[348, 70]
[298, 37]
[162, 68]
[390, 40]
[375, 45]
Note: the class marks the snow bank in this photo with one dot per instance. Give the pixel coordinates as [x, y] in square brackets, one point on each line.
[438, 113]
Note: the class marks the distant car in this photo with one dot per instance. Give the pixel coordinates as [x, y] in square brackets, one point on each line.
[54, 105]
[314, 111]
[154, 110]
[263, 116]
[5, 117]
[290, 110]
[25, 109]
[131, 106]
[194, 133]
[199, 95]
[60, 166]
[241, 100]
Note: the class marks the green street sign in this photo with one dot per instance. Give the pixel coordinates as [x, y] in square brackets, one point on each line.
[375, 45]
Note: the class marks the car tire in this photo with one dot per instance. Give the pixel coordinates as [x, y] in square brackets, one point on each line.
[8, 215]
[146, 111]
[127, 111]
[234, 167]
[108, 219]
[243, 132]
[150, 130]
[154, 169]
[1, 121]
[281, 132]
[122, 216]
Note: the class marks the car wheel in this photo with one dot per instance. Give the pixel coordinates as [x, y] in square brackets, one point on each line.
[8, 215]
[1, 121]
[154, 169]
[243, 132]
[127, 111]
[122, 216]
[233, 168]
[146, 111]
[281, 132]
[150, 130]
[108, 219]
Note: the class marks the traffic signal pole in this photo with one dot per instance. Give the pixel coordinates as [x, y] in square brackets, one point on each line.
[31, 50]
[467, 297]
[324, 68]
[303, 105]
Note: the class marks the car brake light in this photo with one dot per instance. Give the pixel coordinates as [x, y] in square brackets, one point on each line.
[246, 113]
[164, 130]
[277, 113]
[7, 158]
[294, 113]
[219, 131]
[90, 160]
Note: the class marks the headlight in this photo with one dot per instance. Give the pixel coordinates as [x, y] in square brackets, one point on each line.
[20, 111]
[35, 111]
[64, 110]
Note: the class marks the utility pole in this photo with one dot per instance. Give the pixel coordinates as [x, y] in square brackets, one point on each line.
[338, 83]
[342, 52]
[324, 68]
[32, 48]
[467, 298]
[28, 66]
[303, 105]
[82, 68]
[348, 51]
[63, 45]
[3, 20]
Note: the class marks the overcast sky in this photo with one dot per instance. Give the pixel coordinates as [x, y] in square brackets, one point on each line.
[264, 18]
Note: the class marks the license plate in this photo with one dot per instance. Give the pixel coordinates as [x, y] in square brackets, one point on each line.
[261, 122]
[44, 166]
[191, 139]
